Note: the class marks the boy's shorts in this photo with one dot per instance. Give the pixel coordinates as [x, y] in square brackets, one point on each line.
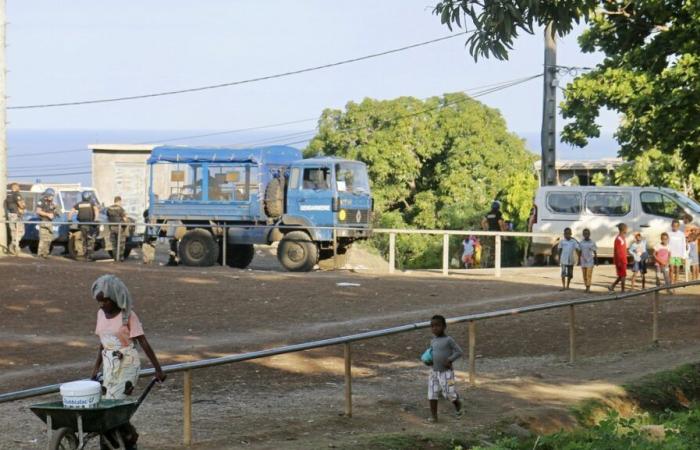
[567, 271]
[442, 382]
[640, 266]
[676, 261]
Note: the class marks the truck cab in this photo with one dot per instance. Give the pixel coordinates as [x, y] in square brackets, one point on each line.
[211, 197]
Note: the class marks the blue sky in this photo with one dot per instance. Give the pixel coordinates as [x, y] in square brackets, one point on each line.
[83, 49]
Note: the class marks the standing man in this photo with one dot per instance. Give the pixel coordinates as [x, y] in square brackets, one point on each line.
[87, 212]
[46, 210]
[117, 237]
[14, 208]
[492, 221]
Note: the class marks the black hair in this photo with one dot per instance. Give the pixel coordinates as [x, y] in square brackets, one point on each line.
[586, 229]
[675, 221]
[664, 234]
[439, 318]
[567, 229]
[621, 226]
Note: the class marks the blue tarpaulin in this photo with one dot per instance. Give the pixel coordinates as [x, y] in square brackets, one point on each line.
[276, 154]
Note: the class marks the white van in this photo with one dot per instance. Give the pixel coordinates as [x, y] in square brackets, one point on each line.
[648, 210]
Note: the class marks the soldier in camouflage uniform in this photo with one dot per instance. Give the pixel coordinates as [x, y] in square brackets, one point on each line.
[46, 210]
[117, 237]
[14, 208]
[87, 213]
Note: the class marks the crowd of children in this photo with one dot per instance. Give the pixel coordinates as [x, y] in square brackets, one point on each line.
[669, 257]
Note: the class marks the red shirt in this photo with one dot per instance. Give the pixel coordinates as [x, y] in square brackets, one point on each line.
[620, 255]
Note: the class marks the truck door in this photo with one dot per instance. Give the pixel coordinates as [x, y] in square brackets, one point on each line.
[309, 194]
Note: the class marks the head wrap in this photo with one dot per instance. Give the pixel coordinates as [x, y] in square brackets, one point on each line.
[114, 289]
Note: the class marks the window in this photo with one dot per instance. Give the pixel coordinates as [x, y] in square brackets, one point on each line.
[186, 182]
[661, 205]
[227, 183]
[294, 178]
[564, 202]
[608, 203]
[351, 177]
[317, 178]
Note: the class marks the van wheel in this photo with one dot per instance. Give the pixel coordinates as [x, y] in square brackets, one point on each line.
[198, 248]
[239, 255]
[297, 252]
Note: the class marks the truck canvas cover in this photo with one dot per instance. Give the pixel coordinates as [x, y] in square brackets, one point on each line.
[276, 154]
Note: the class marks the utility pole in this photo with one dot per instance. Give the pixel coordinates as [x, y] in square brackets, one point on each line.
[548, 176]
[3, 133]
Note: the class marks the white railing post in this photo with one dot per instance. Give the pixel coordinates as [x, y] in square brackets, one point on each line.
[392, 252]
[187, 408]
[498, 255]
[348, 379]
[445, 254]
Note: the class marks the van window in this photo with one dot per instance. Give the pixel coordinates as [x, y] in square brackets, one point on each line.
[564, 202]
[608, 203]
[660, 205]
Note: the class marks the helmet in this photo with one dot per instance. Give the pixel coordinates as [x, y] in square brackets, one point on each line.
[496, 205]
[49, 193]
[86, 196]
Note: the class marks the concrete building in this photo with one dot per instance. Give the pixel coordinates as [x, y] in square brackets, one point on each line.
[120, 169]
[584, 170]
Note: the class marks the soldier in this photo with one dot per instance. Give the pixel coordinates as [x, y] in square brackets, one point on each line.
[117, 237]
[46, 210]
[87, 212]
[14, 208]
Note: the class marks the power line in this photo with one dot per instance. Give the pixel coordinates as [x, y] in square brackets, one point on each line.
[52, 174]
[239, 82]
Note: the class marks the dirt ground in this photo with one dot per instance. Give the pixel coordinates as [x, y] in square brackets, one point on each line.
[296, 401]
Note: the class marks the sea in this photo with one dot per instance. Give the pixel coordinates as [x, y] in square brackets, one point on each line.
[63, 156]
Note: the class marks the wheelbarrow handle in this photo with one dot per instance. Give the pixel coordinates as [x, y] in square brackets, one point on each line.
[145, 392]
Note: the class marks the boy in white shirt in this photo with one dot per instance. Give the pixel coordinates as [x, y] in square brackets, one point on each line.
[678, 247]
[568, 248]
[588, 251]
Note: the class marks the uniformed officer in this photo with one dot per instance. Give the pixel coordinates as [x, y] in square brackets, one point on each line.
[14, 209]
[492, 221]
[87, 212]
[117, 237]
[46, 209]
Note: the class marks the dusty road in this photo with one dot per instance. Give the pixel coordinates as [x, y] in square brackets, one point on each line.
[295, 401]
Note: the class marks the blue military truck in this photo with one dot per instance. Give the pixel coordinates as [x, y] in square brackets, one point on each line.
[259, 196]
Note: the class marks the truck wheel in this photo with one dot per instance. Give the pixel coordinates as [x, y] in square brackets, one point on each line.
[297, 252]
[198, 248]
[63, 439]
[274, 198]
[239, 255]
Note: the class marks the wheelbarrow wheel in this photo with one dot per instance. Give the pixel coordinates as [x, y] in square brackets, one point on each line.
[112, 440]
[63, 439]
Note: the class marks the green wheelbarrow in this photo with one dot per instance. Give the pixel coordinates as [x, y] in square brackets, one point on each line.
[73, 428]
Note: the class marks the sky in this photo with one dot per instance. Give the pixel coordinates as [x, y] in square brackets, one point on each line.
[83, 49]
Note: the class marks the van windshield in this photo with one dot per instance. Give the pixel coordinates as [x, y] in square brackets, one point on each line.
[685, 201]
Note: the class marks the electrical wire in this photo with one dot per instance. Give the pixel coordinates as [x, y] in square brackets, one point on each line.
[52, 174]
[239, 82]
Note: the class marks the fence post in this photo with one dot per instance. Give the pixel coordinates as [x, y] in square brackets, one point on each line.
[187, 408]
[498, 255]
[655, 318]
[445, 254]
[392, 252]
[224, 244]
[335, 249]
[348, 379]
[472, 353]
[572, 334]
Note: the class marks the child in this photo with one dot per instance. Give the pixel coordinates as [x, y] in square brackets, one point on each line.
[677, 246]
[118, 327]
[693, 257]
[638, 250]
[588, 252]
[468, 252]
[445, 351]
[477, 252]
[620, 257]
[567, 258]
[662, 256]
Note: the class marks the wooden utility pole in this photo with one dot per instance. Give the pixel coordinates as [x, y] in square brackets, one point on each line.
[548, 176]
[3, 133]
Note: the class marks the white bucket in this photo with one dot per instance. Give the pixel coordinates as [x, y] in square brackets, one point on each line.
[81, 394]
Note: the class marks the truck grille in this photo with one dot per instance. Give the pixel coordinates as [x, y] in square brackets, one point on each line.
[352, 216]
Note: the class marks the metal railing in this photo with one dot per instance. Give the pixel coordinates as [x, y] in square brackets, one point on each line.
[346, 342]
[498, 236]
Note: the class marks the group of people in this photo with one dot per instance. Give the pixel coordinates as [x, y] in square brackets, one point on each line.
[671, 255]
[47, 211]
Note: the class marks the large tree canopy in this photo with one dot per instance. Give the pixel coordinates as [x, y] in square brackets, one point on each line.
[436, 163]
[651, 71]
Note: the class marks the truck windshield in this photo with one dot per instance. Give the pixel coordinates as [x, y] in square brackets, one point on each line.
[351, 177]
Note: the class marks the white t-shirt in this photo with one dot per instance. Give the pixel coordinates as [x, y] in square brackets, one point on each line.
[677, 244]
[568, 252]
[588, 249]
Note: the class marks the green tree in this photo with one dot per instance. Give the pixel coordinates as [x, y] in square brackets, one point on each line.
[650, 74]
[654, 168]
[436, 163]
